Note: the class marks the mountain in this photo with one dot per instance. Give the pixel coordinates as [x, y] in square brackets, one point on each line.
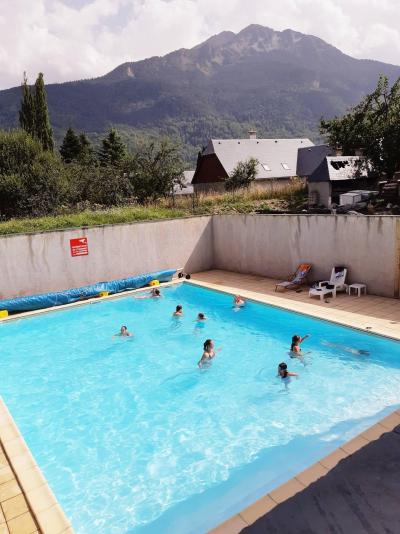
[280, 83]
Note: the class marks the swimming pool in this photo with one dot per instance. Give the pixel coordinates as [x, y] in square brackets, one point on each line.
[133, 437]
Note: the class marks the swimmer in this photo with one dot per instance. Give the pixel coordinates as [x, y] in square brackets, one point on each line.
[283, 373]
[357, 352]
[208, 353]
[123, 332]
[238, 301]
[178, 311]
[201, 318]
[295, 349]
[155, 293]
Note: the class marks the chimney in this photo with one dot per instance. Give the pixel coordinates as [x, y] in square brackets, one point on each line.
[252, 134]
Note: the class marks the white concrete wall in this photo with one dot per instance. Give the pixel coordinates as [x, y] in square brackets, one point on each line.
[270, 245]
[42, 262]
[273, 245]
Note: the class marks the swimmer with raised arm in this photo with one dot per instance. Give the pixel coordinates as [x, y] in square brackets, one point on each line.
[123, 332]
[208, 353]
[178, 311]
[295, 349]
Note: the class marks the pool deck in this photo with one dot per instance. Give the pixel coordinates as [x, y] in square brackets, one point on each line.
[354, 489]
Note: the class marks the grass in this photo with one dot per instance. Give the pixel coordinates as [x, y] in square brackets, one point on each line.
[256, 200]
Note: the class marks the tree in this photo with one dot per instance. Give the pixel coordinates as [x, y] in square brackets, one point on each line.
[27, 111]
[32, 181]
[242, 175]
[155, 171]
[70, 149]
[113, 150]
[86, 151]
[373, 126]
[43, 130]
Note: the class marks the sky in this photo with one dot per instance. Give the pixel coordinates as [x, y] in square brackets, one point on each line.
[75, 39]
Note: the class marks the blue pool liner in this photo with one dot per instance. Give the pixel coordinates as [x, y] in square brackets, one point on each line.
[58, 298]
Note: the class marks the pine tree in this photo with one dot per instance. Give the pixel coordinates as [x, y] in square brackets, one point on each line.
[70, 149]
[86, 151]
[113, 150]
[43, 130]
[27, 111]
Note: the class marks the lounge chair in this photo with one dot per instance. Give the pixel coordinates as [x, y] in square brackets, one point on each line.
[297, 279]
[330, 287]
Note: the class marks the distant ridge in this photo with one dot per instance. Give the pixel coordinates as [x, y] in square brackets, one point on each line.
[281, 83]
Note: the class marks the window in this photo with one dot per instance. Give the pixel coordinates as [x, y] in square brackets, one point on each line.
[265, 167]
[285, 166]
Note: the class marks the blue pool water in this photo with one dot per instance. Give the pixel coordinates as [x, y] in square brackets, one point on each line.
[134, 438]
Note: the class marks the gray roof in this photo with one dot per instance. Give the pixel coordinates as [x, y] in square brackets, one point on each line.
[339, 168]
[187, 181]
[309, 158]
[277, 157]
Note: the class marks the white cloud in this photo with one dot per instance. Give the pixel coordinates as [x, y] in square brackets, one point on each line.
[73, 39]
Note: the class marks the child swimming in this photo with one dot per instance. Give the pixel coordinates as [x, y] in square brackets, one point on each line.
[357, 352]
[208, 353]
[123, 332]
[238, 302]
[295, 349]
[178, 311]
[155, 293]
[284, 374]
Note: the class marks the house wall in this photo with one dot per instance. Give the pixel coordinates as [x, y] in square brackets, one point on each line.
[208, 170]
[319, 193]
[38, 263]
[273, 246]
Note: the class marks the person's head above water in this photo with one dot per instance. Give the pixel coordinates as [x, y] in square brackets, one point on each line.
[201, 316]
[296, 339]
[156, 292]
[282, 366]
[208, 345]
[124, 329]
[178, 308]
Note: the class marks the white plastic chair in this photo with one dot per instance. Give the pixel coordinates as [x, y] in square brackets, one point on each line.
[330, 287]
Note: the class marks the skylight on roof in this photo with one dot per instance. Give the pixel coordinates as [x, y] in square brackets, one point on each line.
[285, 166]
[265, 167]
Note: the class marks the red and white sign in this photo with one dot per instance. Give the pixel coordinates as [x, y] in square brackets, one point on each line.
[79, 246]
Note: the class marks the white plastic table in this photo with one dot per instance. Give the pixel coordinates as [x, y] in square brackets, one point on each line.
[359, 288]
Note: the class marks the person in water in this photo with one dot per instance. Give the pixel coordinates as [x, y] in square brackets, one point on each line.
[178, 311]
[155, 293]
[238, 301]
[295, 349]
[123, 332]
[201, 318]
[283, 372]
[357, 352]
[208, 353]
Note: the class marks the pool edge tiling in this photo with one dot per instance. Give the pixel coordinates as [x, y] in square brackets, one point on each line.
[31, 504]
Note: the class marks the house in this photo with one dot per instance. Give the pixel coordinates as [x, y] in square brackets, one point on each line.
[187, 188]
[337, 175]
[277, 160]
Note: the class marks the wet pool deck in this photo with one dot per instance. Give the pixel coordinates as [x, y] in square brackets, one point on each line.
[357, 487]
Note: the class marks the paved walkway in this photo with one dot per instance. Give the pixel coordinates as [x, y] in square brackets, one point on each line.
[15, 515]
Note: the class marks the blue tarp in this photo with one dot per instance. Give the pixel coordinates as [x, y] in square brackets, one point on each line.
[57, 298]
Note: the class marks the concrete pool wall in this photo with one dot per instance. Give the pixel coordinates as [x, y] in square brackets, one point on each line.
[268, 245]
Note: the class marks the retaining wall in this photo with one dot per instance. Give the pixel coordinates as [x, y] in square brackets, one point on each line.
[269, 245]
